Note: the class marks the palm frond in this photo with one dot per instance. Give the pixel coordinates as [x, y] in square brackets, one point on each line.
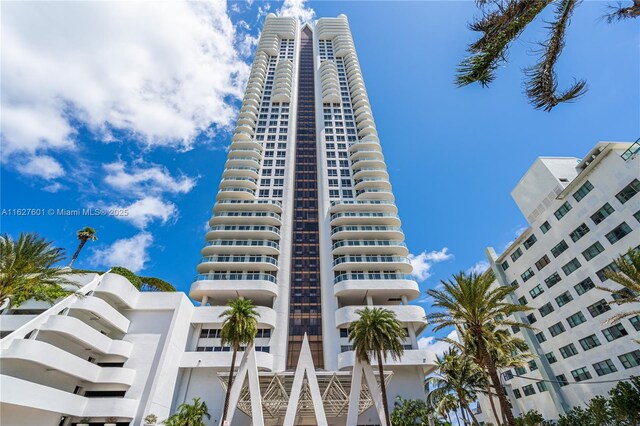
[499, 28]
[542, 84]
[621, 12]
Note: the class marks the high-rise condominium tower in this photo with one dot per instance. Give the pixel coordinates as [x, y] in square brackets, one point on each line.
[305, 223]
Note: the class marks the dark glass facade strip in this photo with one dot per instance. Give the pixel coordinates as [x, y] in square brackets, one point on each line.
[305, 313]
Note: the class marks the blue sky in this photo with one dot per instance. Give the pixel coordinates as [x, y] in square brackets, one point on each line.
[117, 105]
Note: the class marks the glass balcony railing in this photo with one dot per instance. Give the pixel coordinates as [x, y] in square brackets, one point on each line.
[370, 259]
[368, 243]
[240, 259]
[365, 228]
[249, 276]
[248, 228]
[371, 276]
[243, 243]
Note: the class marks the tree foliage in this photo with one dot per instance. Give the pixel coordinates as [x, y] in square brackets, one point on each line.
[28, 271]
[410, 412]
[189, 414]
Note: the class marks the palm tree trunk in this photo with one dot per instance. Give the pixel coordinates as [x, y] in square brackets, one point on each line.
[449, 418]
[229, 384]
[464, 415]
[383, 389]
[493, 405]
[493, 374]
[455, 412]
[75, 255]
[474, 420]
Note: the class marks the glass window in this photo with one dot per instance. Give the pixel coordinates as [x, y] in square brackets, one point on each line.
[552, 279]
[583, 191]
[618, 233]
[637, 215]
[604, 367]
[545, 227]
[563, 299]
[589, 342]
[635, 322]
[556, 329]
[551, 358]
[562, 380]
[579, 232]
[504, 265]
[545, 309]
[592, 251]
[602, 213]
[536, 291]
[584, 286]
[516, 254]
[528, 390]
[614, 332]
[598, 308]
[526, 275]
[540, 337]
[517, 394]
[532, 365]
[542, 386]
[576, 319]
[531, 318]
[559, 248]
[529, 241]
[563, 210]
[628, 191]
[631, 359]
[568, 351]
[610, 267]
[542, 262]
[571, 266]
[522, 300]
[580, 374]
[514, 284]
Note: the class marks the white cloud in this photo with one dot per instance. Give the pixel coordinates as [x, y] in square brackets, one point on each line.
[42, 166]
[131, 253]
[158, 74]
[146, 210]
[423, 262]
[437, 346]
[297, 9]
[479, 267]
[54, 187]
[140, 180]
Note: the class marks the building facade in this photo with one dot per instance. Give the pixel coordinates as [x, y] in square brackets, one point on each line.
[304, 224]
[582, 215]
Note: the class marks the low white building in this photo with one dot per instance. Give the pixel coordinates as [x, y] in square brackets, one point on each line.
[582, 214]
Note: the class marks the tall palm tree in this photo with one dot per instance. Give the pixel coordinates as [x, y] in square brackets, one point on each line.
[239, 328]
[378, 333]
[27, 270]
[502, 22]
[446, 405]
[189, 414]
[474, 304]
[85, 234]
[459, 375]
[626, 272]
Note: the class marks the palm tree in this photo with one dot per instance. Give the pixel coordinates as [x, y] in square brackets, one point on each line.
[378, 333]
[85, 234]
[626, 272]
[502, 23]
[189, 414]
[446, 405]
[239, 328]
[472, 303]
[459, 375]
[27, 270]
[410, 412]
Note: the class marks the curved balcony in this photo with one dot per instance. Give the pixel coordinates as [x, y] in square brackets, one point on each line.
[248, 205]
[411, 357]
[364, 183]
[372, 263]
[246, 144]
[352, 291]
[98, 310]
[239, 182]
[363, 172]
[222, 360]
[117, 289]
[53, 358]
[364, 218]
[253, 218]
[369, 161]
[258, 232]
[87, 336]
[350, 232]
[397, 248]
[269, 43]
[220, 287]
[242, 162]
[244, 152]
[250, 108]
[339, 206]
[408, 314]
[266, 247]
[281, 95]
[241, 171]
[267, 317]
[249, 115]
[237, 193]
[375, 194]
[221, 262]
[368, 144]
[251, 101]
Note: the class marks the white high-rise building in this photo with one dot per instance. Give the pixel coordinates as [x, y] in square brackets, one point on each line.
[304, 225]
[582, 214]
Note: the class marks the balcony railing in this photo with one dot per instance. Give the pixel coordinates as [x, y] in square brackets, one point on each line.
[370, 259]
[236, 277]
[371, 276]
[243, 243]
[365, 228]
[240, 259]
[367, 243]
[245, 228]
